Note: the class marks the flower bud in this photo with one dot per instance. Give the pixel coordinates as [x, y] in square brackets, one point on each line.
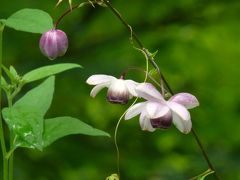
[53, 43]
[163, 122]
[118, 92]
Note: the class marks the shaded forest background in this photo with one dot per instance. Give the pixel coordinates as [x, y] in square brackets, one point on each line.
[199, 52]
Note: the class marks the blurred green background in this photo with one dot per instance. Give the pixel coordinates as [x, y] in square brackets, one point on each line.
[199, 52]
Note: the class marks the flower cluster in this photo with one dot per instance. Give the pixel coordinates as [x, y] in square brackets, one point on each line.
[155, 112]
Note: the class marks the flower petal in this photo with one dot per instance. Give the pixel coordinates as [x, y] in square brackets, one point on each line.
[156, 110]
[185, 99]
[98, 88]
[99, 79]
[131, 85]
[145, 122]
[181, 117]
[134, 110]
[148, 92]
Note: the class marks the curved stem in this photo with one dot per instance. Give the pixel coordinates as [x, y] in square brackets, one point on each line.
[3, 145]
[70, 10]
[152, 61]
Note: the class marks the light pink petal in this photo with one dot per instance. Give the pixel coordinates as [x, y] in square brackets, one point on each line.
[131, 85]
[98, 88]
[181, 117]
[185, 99]
[99, 79]
[145, 123]
[134, 110]
[148, 92]
[156, 110]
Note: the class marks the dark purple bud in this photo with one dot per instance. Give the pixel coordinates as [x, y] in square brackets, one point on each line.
[163, 122]
[53, 43]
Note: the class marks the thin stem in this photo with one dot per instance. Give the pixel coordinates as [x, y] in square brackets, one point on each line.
[152, 61]
[64, 14]
[204, 153]
[11, 146]
[3, 145]
[70, 10]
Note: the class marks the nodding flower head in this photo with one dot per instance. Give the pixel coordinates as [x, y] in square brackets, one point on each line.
[119, 90]
[156, 112]
[53, 43]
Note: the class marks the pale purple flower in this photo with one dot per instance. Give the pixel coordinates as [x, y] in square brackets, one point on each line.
[119, 90]
[156, 112]
[53, 43]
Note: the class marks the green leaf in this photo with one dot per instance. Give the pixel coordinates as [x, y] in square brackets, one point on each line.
[59, 127]
[13, 72]
[27, 124]
[30, 20]
[39, 98]
[2, 21]
[46, 71]
[3, 83]
[8, 73]
[26, 117]
[203, 175]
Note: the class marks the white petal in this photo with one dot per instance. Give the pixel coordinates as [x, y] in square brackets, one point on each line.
[134, 110]
[99, 79]
[148, 92]
[156, 110]
[145, 123]
[131, 85]
[185, 99]
[181, 117]
[98, 88]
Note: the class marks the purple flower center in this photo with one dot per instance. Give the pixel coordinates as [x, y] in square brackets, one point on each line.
[163, 122]
[117, 98]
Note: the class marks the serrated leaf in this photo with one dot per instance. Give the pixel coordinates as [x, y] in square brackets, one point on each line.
[59, 127]
[30, 20]
[46, 71]
[39, 98]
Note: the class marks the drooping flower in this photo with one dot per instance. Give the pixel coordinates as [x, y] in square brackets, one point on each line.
[156, 112]
[119, 90]
[53, 43]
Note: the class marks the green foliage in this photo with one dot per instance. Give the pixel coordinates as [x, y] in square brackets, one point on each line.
[46, 71]
[58, 127]
[9, 74]
[3, 83]
[30, 20]
[26, 118]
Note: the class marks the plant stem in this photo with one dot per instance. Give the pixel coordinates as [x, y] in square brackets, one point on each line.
[3, 145]
[11, 147]
[70, 10]
[152, 61]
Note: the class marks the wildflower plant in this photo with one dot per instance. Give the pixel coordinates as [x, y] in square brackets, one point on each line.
[25, 117]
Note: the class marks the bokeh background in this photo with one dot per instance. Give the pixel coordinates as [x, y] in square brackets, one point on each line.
[199, 52]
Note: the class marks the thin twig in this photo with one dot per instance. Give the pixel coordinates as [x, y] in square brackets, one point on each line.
[152, 61]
